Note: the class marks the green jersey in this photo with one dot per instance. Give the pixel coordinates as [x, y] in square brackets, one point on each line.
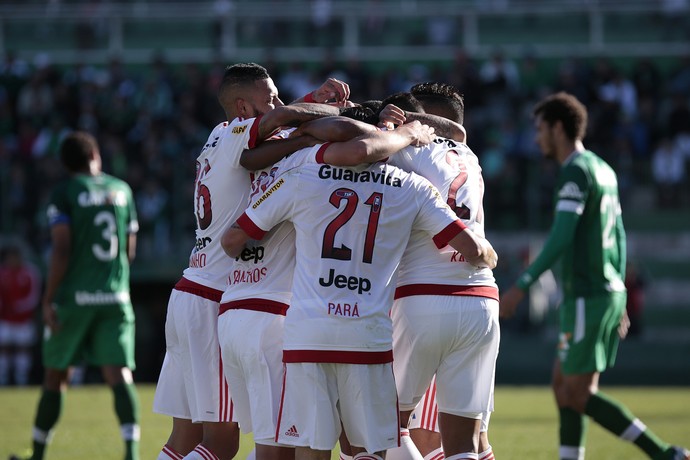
[100, 212]
[587, 231]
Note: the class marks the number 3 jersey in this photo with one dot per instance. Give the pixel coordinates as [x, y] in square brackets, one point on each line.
[221, 191]
[425, 270]
[100, 213]
[352, 225]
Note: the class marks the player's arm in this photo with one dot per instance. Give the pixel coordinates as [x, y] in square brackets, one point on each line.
[475, 249]
[233, 241]
[392, 114]
[271, 151]
[331, 90]
[61, 237]
[131, 246]
[292, 115]
[377, 145]
[334, 129]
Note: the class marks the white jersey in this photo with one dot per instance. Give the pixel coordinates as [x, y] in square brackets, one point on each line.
[263, 271]
[352, 225]
[221, 191]
[424, 270]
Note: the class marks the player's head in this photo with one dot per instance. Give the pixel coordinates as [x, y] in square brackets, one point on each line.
[247, 91]
[361, 113]
[559, 118]
[440, 99]
[373, 104]
[79, 153]
[403, 100]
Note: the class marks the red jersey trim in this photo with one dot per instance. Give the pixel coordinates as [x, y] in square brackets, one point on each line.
[490, 292]
[250, 227]
[321, 152]
[444, 236]
[263, 305]
[337, 356]
[254, 132]
[199, 290]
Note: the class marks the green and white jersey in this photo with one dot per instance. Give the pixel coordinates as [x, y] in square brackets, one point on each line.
[587, 232]
[100, 212]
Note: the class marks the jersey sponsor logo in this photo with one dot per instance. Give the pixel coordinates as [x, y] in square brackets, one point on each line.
[239, 129]
[247, 276]
[197, 260]
[384, 177]
[343, 309]
[100, 198]
[446, 142]
[292, 431]
[100, 298]
[268, 193]
[248, 254]
[570, 190]
[201, 243]
[210, 144]
[352, 283]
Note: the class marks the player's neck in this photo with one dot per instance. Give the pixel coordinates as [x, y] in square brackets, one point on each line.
[568, 149]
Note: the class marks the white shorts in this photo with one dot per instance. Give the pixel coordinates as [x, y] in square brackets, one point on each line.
[317, 396]
[17, 334]
[425, 415]
[252, 348]
[191, 384]
[455, 337]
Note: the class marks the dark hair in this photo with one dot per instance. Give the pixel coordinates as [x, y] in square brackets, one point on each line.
[373, 104]
[360, 113]
[441, 99]
[241, 74]
[76, 149]
[568, 110]
[404, 100]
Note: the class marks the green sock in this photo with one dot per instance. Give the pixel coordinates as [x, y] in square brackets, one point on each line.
[572, 432]
[616, 418]
[47, 415]
[127, 410]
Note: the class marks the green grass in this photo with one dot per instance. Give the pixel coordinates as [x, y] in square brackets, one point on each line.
[523, 426]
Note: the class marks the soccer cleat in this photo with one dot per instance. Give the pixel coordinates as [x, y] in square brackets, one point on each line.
[25, 456]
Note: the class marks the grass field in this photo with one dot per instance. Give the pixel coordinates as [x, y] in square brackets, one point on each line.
[524, 426]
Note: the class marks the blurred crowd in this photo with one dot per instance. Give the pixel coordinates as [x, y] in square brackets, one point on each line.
[151, 122]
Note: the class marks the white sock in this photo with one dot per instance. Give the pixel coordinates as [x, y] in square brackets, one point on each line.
[406, 451]
[366, 456]
[488, 454]
[435, 454]
[130, 432]
[464, 456]
[201, 453]
[252, 454]
[343, 456]
[571, 453]
[167, 453]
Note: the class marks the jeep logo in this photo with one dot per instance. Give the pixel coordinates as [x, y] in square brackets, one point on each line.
[256, 254]
[352, 283]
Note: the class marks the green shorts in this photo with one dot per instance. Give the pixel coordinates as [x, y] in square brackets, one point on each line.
[100, 335]
[589, 338]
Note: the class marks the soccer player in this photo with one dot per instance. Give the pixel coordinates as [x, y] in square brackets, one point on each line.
[351, 228]
[192, 387]
[259, 291]
[20, 293]
[445, 315]
[588, 235]
[86, 305]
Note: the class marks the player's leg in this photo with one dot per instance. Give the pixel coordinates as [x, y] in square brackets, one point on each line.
[345, 449]
[590, 347]
[126, 401]
[407, 450]
[184, 436]
[485, 450]
[423, 425]
[573, 424]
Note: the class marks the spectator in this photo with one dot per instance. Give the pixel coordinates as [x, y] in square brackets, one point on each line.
[668, 171]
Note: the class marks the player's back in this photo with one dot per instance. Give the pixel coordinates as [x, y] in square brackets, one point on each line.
[595, 262]
[454, 169]
[100, 212]
[221, 191]
[352, 225]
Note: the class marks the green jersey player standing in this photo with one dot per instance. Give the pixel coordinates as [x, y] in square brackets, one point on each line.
[588, 236]
[86, 306]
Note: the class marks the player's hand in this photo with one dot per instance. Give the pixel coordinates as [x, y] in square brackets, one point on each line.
[509, 301]
[421, 134]
[50, 317]
[332, 90]
[390, 116]
[624, 325]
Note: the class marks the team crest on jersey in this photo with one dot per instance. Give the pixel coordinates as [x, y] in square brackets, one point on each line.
[239, 129]
[570, 190]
